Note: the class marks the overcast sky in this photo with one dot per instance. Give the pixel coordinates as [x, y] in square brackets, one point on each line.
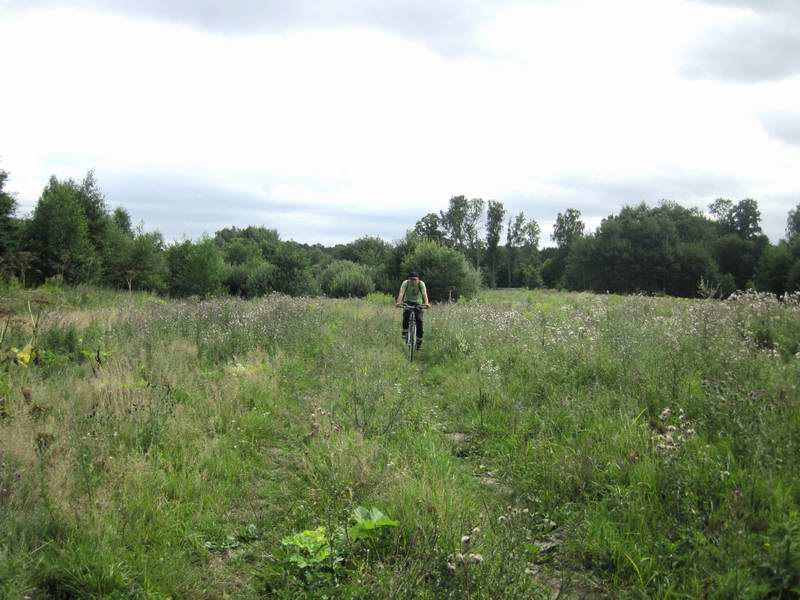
[331, 120]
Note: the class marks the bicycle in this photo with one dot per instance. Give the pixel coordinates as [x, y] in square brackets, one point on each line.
[411, 334]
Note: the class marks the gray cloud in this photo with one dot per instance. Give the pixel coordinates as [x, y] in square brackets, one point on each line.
[598, 198]
[447, 26]
[185, 208]
[781, 6]
[764, 47]
[783, 126]
[181, 207]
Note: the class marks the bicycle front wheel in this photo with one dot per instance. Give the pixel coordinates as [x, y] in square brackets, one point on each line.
[412, 335]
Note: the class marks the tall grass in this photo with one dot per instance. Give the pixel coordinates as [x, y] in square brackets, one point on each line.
[544, 443]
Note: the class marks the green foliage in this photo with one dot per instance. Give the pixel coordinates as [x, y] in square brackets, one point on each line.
[267, 240]
[260, 279]
[380, 298]
[665, 250]
[793, 223]
[195, 269]
[727, 285]
[308, 549]
[314, 548]
[93, 203]
[772, 272]
[444, 270]
[235, 280]
[8, 225]
[369, 524]
[531, 269]
[375, 254]
[452, 222]
[742, 218]
[429, 227]
[122, 219]
[293, 273]
[58, 233]
[643, 249]
[738, 257]
[495, 214]
[345, 279]
[793, 277]
[568, 228]
[135, 261]
[240, 251]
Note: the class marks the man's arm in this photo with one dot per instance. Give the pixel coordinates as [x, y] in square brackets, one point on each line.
[399, 300]
[425, 294]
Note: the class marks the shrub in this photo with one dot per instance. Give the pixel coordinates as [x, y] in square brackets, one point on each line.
[293, 274]
[445, 271]
[195, 269]
[343, 278]
[260, 280]
[793, 279]
[727, 285]
[235, 279]
[380, 298]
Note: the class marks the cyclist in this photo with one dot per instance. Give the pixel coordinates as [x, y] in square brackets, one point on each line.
[414, 294]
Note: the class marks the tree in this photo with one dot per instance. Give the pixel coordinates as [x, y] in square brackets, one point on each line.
[530, 234]
[472, 229]
[568, 227]
[260, 280]
[793, 223]
[122, 219]
[793, 277]
[514, 235]
[93, 203]
[742, 218]
[447, 274]
[721, 211]
[495, 214]
[746, 218]
[195, 269]
[372, 252]
[738, 257]
[366, 250]
[400, 250]
[293, 274]
[774, 266]
[578, 269]
[8, 225]
[429, 227]
[452, 222]
[144, 264]
[662, 249]
[267, 240]
[58, 235]
[530, 264]
[345, 279]
[240, 250]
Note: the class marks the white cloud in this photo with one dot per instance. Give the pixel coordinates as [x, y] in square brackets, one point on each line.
[372, 124]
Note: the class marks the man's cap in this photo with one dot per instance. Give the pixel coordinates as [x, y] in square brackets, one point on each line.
[413, 274]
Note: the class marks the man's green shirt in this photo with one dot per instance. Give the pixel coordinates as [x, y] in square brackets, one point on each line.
[412, 293]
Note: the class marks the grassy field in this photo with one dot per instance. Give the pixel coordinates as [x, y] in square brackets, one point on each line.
[543, 445]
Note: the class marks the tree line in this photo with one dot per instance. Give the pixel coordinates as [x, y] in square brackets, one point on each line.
[73, 235]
